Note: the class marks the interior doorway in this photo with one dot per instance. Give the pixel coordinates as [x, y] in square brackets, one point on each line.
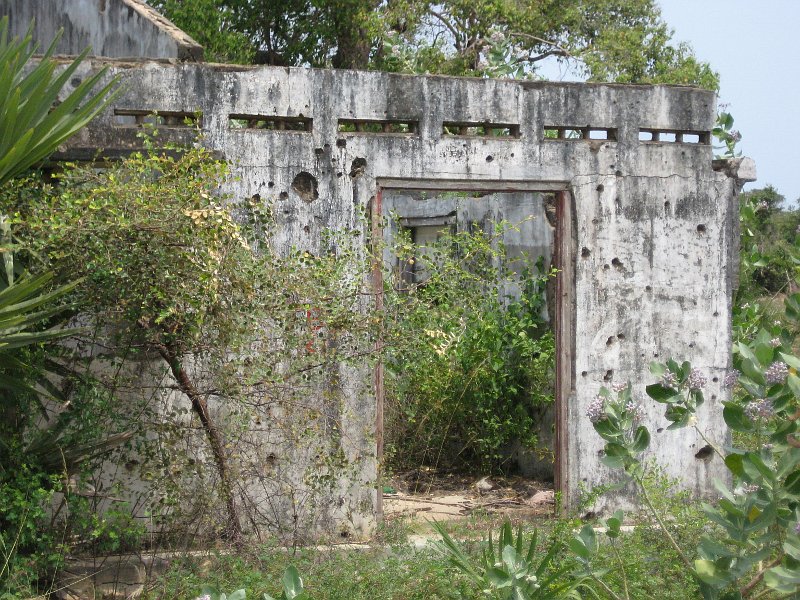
[526, 234]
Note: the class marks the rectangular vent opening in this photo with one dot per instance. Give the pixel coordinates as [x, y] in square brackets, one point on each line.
[386, 126]
[554, 132]
[675, 136]
[487, 130]
[124, 117]
[269, 123]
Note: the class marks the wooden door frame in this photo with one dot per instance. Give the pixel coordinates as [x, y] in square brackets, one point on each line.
[564, 248]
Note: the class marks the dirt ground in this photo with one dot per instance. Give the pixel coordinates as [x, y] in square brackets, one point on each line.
[427, 495]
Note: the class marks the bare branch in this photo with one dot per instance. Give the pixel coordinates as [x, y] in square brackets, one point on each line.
[559, 50]
[450, 27]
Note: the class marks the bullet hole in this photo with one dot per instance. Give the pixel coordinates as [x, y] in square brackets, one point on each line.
[512, 155]
[610, 340]
[600, 188]
[306, 228]
[620, 336]
[595, 221]
[716, 314]
[691, 344]
[345, 534]
[701, 228]
[618, 204]
[326, 146]
[647, 288]
[256, 198]
[713, 396]
[341, 143]
[283, 196]
[655, 354]
[609, 375]
[617, 263]
[272, 459]
[339, 173]
[660, 430]
[705, 453]
[585, 252]
[75, 81]
[305, 186]
[584, 373]
[271, 184]
[618, 173]
[667, 206]
[357, 167]
[715, 379]
[318, 151]
[606, 267]
[489, 158]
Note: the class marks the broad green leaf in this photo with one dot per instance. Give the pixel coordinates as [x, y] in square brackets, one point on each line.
[641, 439]
[735, 418]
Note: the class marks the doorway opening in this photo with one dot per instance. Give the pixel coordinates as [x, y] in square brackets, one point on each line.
[476, 282]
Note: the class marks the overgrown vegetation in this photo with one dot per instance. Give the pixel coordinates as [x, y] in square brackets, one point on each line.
[165, 276]
[470, 364]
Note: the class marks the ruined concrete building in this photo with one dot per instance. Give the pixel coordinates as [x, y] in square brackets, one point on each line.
[644, 229]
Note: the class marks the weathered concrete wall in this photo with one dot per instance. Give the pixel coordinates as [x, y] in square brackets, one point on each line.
[653, 222]
[113, 28]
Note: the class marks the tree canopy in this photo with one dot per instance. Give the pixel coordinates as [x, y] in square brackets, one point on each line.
[607, 40]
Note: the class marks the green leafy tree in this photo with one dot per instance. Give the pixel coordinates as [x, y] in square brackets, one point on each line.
[610, 40]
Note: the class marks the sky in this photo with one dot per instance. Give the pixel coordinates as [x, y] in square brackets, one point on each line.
[754, 45]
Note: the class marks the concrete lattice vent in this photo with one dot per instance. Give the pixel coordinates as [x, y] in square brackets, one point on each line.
[270, 123]
[488, 130]
[124, 117]
[674, 136]
[390, 126]
[554, 132]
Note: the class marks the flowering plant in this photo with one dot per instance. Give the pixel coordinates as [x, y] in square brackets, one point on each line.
[753, 545]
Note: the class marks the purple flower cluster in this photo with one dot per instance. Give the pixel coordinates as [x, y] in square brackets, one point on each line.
[669, 380]
[731, 378]
[750, 488]
[596, 409]
[696, 380]
[635, 410]
[797, 529]
[759, 409]
[619, 387]
[775, 342]
[777, 373]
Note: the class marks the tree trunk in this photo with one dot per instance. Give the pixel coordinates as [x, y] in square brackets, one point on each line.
[200, 407]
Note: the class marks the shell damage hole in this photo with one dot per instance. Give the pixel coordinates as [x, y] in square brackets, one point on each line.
[357, 167]
[489, 158]
[283, 196]
[617, 263]
[610, 340]
[585, 252]
[705, 453]
[609, 375]
[701, 228]
[620, 336]
[305, 186]
[584, 373]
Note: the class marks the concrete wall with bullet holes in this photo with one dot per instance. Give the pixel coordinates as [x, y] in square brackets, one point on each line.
[647, 241]
[653, 233]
